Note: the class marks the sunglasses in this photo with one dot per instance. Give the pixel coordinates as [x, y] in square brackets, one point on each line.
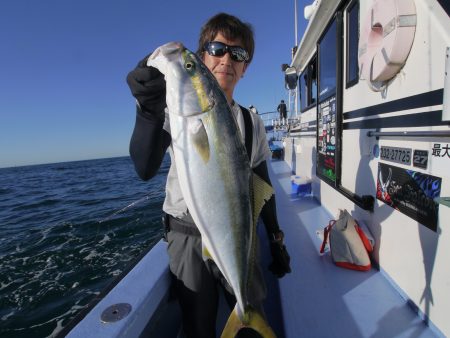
[216, 48]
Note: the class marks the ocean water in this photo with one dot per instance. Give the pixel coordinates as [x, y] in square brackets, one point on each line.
[67, 230]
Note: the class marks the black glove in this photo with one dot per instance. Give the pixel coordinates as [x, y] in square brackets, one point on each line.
[280, 257]
[148, 86]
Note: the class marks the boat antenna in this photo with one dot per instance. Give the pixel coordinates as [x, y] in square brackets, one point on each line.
[295, 22]
[293, 53]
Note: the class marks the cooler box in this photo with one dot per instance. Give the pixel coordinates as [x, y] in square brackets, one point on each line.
[300, 185]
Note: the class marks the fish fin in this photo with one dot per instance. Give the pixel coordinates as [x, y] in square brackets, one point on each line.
[262, 191]
[199, 139]
[254, 320]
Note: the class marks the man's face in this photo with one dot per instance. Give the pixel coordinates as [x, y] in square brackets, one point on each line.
[226, 71]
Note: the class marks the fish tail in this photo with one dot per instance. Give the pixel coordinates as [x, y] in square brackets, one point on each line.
[253, 320]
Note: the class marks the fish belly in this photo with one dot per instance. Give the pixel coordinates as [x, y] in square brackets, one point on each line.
[217, 192]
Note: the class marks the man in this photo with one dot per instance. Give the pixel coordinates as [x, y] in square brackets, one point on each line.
[282, 110]
[253, 109]
[226, 47]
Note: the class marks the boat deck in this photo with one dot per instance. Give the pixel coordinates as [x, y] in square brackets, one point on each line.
[319, 299]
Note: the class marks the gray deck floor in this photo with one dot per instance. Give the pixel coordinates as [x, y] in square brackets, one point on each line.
[319, 299]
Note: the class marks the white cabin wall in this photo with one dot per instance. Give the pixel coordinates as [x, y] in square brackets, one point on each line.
[288, 151]
[440, 277]
[305, 150]
[425, 66]
[413, 256]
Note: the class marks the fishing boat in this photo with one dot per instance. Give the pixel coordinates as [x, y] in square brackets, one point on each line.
[371, 136]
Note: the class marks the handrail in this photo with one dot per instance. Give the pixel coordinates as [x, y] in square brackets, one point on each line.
[435, 133]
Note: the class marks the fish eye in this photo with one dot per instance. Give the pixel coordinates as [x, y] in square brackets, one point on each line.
[189, 66]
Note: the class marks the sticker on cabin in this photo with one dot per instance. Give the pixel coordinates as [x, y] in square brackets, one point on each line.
[420, 159]
[395, 154]
[410, 192]
[326, 152]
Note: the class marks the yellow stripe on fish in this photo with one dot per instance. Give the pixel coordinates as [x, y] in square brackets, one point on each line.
[190, 66]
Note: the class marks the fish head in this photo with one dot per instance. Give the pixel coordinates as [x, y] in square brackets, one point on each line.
[189, 83]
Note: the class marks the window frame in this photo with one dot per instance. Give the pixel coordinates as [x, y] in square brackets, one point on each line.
[354, 5]
[309, 90]
[334, 91]
[364, 202]
[336, 20]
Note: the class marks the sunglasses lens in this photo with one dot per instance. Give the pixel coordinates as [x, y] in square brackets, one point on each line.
[239, 54]
[216, 48]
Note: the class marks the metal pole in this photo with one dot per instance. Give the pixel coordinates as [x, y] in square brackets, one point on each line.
[296, 42]
[295, 11]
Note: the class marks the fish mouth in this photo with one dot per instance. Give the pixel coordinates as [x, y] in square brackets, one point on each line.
[167, 50]
[167, 55]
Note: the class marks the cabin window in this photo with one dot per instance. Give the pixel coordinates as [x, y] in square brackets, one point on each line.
[330, 54]
[352, 44]
[332, 139]
[313, 75]
[308, 85]
[327, 62]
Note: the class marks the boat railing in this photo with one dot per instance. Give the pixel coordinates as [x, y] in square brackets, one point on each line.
[432, 133]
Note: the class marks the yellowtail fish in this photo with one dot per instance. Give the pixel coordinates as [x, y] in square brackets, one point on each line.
[221, 192]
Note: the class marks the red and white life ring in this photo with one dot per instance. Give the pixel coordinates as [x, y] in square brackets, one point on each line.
[386, 39]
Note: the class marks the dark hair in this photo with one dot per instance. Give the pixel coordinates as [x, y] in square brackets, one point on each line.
[231, 28]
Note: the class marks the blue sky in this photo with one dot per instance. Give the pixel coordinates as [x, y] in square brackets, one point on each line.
[63, 64]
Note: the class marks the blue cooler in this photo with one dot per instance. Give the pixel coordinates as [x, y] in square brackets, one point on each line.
[300, 186]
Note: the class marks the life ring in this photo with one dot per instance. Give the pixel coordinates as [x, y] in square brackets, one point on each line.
[386, 40]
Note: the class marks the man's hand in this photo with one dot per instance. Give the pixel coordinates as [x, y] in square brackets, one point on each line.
[148, 86]
[280, 257]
